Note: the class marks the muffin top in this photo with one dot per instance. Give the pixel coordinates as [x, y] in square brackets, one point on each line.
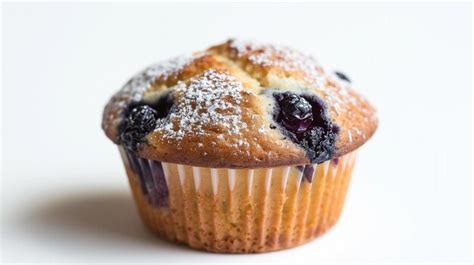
[239, 105]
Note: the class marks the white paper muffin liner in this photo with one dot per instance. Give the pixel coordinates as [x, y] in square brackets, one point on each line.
[239, 210]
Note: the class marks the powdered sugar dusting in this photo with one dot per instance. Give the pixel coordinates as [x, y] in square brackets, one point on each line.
[134, 89]
[283, 57]
[165, 69]
[335, 92]
[210, 100]
[292, 60]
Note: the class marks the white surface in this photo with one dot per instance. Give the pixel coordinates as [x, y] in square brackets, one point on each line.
[65, 194]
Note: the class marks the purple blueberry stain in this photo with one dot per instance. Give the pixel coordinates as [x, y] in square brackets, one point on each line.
[136, 168]
[151, 178]
[149, 183]
[308, 173]
[335, 161]
[132, 163]
[160, 183]
[305, 120]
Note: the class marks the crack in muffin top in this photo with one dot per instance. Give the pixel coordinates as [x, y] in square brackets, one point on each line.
[216, 108]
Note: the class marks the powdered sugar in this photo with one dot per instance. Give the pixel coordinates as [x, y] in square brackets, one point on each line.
[282, 57]
[136, 86]
[210, 100]
[242, 47]
[134, 89]
[332, 89]
[209, 104]
[292, 60]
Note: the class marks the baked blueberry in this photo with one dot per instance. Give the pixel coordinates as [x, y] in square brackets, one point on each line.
[342, 76]
[163, 106]
[140, 121]
[295, 112]
[305, 120]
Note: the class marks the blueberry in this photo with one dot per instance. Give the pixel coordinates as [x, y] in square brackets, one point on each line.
[296, 112]
[342, 76]
[140, 121]
[163, 106]
[305, 121]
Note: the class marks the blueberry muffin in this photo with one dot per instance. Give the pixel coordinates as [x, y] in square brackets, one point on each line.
[243, 147]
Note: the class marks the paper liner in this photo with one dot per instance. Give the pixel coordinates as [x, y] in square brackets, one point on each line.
[239, 210]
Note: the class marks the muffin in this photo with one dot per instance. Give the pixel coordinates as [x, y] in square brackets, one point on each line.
[244, 147]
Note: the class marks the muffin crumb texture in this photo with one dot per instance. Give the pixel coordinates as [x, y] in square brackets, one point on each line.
[239, 104]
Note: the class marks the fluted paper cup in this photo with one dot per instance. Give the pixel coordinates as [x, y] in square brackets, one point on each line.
[239, 210]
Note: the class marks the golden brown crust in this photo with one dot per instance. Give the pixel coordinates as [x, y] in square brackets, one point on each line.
[236, 75]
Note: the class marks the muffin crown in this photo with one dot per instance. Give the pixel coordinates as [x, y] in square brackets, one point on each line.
[239, 104]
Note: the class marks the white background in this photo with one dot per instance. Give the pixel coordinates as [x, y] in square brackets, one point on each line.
[64, 191]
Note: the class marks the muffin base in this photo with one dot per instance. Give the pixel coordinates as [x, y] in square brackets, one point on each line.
[243, 210]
